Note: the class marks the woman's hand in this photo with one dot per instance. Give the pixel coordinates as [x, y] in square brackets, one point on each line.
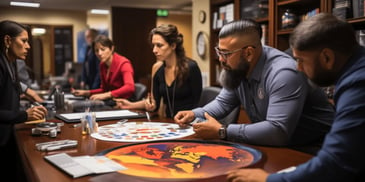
[102, 96]
[149, 103]
[123, 104]
[80, 92]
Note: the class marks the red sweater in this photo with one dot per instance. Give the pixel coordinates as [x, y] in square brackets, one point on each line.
[120, 81]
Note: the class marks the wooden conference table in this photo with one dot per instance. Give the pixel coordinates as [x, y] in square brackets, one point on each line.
[38, 169]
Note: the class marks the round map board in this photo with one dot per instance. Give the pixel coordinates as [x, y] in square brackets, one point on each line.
[173, 160]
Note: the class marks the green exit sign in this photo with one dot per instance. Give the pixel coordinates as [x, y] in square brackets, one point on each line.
[162, 12]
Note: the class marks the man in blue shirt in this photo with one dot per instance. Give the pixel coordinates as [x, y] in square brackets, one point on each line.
[284, 108]
[90, 77]
[328, 53]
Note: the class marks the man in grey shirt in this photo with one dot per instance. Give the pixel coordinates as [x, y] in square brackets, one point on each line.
[284, 108]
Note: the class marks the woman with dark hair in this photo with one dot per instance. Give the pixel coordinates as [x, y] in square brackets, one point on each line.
[175, 78]
[116, 73]
[13, 45]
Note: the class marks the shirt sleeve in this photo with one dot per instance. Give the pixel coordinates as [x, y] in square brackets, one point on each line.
[24, 87]
[225, 102]
[127, 89]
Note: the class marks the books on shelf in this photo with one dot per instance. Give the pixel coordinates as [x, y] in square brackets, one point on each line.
[360, 36]
[254, 8]
[358, 7]
[224, 15]
[264, 37]
[309, 14]
[342, 9]
[349, 8]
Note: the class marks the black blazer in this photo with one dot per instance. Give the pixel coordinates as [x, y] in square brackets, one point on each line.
[10, 113]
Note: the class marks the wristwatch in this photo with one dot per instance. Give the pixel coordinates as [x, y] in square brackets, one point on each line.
[222, 132]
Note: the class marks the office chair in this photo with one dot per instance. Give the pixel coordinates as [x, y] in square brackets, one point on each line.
[139, 93]
[209, 94]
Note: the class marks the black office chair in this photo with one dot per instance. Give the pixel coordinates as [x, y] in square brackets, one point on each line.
[209, 94]
[139, 93]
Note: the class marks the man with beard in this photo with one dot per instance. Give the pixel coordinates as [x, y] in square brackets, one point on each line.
[283, 107]
[328, 53]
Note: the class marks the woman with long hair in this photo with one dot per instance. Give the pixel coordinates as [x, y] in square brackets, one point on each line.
[175, 78]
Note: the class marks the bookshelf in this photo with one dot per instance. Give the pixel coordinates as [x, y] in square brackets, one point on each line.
[218, 19]
[277, 36]
[300, 9]
[224, 11]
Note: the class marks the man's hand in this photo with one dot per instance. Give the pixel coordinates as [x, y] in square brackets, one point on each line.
[247, 175]
[36, 112]
[183, 118]
[208, 129]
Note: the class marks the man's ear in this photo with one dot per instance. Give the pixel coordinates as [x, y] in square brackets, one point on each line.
[249, 52]
[327, 58]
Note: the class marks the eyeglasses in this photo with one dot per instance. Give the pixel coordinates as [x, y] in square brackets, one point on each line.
[226, 54]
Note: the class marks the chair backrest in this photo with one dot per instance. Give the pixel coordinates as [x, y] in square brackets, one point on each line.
[139, 93]
[209, 94]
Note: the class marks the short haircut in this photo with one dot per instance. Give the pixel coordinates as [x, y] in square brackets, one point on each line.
[241, 27]
[323, 31]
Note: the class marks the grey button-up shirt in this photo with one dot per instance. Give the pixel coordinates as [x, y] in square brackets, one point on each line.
[283, 107]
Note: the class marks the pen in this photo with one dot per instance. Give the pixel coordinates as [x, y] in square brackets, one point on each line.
[121, 122]
[150, 98]
[148, 117]
[36, 103]
[76, 125]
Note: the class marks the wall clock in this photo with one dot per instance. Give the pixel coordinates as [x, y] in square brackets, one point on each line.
[202, 16]
[201, 44]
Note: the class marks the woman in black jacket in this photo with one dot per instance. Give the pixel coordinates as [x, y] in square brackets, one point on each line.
[13, 45]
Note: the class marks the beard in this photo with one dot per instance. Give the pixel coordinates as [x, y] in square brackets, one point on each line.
[324, 79]
[231, 78]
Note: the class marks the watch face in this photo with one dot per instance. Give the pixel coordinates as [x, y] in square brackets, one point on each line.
[222, 133]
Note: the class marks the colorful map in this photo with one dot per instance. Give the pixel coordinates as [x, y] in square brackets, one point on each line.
[182, 159]
[141, 132]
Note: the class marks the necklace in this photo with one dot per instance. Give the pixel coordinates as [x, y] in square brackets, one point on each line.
[171, 104]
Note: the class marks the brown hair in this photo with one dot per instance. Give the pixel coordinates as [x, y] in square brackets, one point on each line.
[172, 36]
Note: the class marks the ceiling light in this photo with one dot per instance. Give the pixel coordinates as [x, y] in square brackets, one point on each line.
[38, 31]
[25, 4]
[100, 11]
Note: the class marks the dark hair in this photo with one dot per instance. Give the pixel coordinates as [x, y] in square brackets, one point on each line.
[241, 27]
[93, 32]
[104, 41]
[172, 36]
[10, 28]
[324, 30]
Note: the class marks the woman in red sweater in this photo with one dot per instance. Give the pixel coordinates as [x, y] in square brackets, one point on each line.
[116, 73]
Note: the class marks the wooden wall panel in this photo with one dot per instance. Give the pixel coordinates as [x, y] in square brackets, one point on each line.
[130, 31]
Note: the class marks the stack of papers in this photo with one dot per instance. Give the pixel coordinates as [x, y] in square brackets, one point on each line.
[83, 165]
